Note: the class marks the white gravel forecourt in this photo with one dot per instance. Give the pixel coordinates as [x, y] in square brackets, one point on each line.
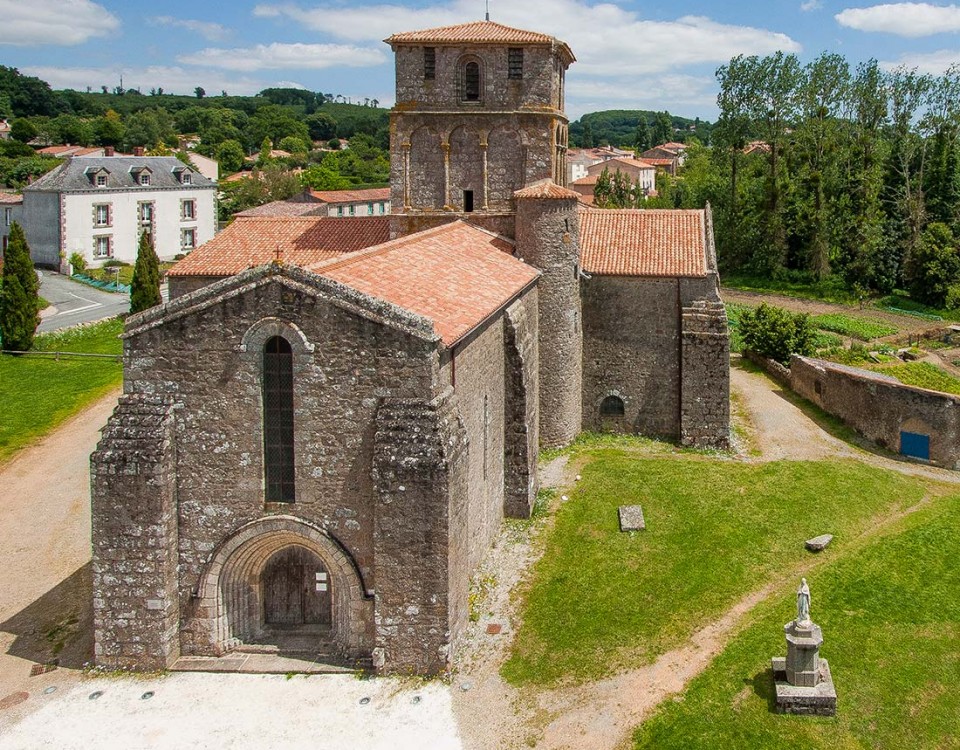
[238, 711]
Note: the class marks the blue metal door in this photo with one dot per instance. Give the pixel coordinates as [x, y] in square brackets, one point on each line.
[915, 444]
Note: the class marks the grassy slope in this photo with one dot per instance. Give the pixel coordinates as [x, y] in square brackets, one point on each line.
[38, 394]
[601, 601]
[891, 623]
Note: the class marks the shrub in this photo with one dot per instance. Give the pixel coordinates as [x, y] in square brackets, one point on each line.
[145, 287]
[78, 262]
[777, 333]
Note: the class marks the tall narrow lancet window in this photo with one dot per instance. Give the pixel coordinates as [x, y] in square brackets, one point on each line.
[278, 421]
[471, 82]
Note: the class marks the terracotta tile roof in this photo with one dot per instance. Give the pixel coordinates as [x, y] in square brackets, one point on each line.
[373, 195]
[283, 208]
[455, 275]
[253, 241]
[546, 189]
[478, 32]
[590, 179]
[659, 162]
[643, 242]
[10, 198]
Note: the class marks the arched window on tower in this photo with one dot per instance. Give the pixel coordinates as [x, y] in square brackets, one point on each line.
[278, 466]
[471, 81]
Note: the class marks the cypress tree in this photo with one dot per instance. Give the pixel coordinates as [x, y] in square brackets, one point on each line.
[19, 301]
[145, 287]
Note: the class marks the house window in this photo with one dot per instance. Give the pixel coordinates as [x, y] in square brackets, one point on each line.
[188, 239]
[471, 82]
[612, 406]
[369, 209]
[102, 247]
[353, 210]
[339, 210]
[429, 63]
[145, 213]
[186, 179]
[144, 178]
[7, 213]
[101, 215]
[188, 210]
[515, 63]
[278, 467]
[101, 180]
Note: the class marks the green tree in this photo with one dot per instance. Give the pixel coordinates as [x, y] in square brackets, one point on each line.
[23, 130]
[934, 265]
[19, 302]
[662, 131]
[294, 145]
[230, 156]
[109, 130]
[641, 138]
[199, 92]
[776, 333]
[603, 190]
[586, 138]
[322, 126]
[145, 286]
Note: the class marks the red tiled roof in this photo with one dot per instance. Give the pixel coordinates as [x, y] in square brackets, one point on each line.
[283, 208]
[546, 189]
[352, 196]
[643, 242]
[590, 179]
[10, 198]
[455, 275]
[659, 162]
[303, 241]
[478, 32]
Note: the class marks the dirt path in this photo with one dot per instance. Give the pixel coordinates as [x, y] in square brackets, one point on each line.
[45, 555]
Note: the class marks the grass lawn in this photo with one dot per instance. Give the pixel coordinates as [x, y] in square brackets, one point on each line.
[601, 601]
[848, 325]
[829, 290]
[891, 625]
[39, 393]
[922, 375]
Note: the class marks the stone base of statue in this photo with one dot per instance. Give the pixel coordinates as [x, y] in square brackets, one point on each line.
[802, 679]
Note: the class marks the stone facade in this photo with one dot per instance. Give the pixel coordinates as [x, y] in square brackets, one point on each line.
[856, 396]
[411, 445]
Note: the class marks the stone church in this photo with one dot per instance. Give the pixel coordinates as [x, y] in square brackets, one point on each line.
[322, 431]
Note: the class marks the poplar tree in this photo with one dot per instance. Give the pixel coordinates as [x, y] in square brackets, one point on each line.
[145, 287]
[19, 300]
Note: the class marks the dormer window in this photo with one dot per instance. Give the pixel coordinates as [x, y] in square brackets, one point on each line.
[515, 63]
[97, 176]
[101, 180]
[144, 178]
[141, 175]
[184, 176]
[429, 63]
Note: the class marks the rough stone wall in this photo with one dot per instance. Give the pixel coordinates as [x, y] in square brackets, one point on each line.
[181, 285]
[522, 438]
[520, 148]
[631, 349]
[705, 376]
[879, 409]
[548, 238]
[134, 529]
[344, 365]
[540, 86]
[403, 224]
[418, 455]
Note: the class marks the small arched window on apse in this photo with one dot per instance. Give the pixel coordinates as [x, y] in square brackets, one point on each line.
[278, 455]
[612, 406]
[470, 81]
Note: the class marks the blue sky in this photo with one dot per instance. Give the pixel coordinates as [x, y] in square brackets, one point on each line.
[631, 55]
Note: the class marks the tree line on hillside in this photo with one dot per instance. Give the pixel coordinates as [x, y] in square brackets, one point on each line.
[637, 129]
[827, 171]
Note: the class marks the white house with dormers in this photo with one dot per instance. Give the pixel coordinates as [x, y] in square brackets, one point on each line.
[99, 206]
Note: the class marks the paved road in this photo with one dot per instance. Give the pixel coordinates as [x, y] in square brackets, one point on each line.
[77, 303]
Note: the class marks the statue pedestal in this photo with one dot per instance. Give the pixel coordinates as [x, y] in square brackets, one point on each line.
[802, 679]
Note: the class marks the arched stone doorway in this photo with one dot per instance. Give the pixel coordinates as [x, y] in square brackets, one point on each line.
[284, 582]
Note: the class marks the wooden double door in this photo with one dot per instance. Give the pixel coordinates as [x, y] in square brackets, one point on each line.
[296, 589]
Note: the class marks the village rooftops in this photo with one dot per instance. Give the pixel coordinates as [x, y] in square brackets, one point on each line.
[300, 241]
[546, 190]
[479, 32]
[284, 208]
[644, 242]
[372, 195]
[455, 275]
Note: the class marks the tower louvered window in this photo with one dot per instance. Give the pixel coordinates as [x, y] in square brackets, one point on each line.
[429, 63]
[278, 457]
[471, 82]
[515, 62]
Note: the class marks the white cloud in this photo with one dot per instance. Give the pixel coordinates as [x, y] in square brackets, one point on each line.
[207, 29]
[60, 22]
[935, 63]
[903, 19]
[606, 38]
[278, 56]
[810, 5]
[681, 94]
[172, 79]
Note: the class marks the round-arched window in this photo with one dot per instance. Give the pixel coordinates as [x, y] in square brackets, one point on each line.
[612, 406]
[471, 82]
